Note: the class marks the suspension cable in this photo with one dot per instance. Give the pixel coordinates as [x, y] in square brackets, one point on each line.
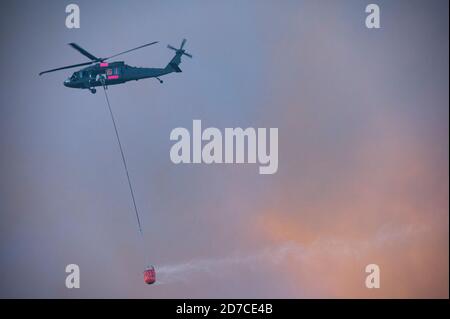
[124, 162]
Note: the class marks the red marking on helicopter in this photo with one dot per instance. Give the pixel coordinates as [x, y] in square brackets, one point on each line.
[104, 65]
[113, 77]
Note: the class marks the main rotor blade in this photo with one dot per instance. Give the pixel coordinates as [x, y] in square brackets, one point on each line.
[66, 67]
[139, 47]
[84, 52]
[171, 47]
[189, 55]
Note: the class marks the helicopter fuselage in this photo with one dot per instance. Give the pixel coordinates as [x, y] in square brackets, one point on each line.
[102, 73]
[105, 74]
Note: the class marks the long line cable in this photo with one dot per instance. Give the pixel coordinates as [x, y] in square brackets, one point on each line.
[124, 161]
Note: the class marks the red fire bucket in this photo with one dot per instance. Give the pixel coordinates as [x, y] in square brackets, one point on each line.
[150, 275]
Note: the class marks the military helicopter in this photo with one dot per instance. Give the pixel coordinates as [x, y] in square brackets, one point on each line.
[102, 73]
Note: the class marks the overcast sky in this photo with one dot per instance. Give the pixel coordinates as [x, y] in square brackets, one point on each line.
[363, 151]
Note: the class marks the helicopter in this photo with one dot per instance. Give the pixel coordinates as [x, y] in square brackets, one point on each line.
[100, 72]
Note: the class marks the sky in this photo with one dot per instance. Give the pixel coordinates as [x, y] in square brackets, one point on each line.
[363, 172]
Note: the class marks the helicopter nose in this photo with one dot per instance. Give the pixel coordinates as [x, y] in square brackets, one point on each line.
[67, 83]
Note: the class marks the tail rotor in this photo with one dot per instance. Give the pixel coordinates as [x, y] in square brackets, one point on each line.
[180, 50]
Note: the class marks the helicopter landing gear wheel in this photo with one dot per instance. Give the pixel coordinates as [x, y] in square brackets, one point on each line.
[93, 90]
[160, 81]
